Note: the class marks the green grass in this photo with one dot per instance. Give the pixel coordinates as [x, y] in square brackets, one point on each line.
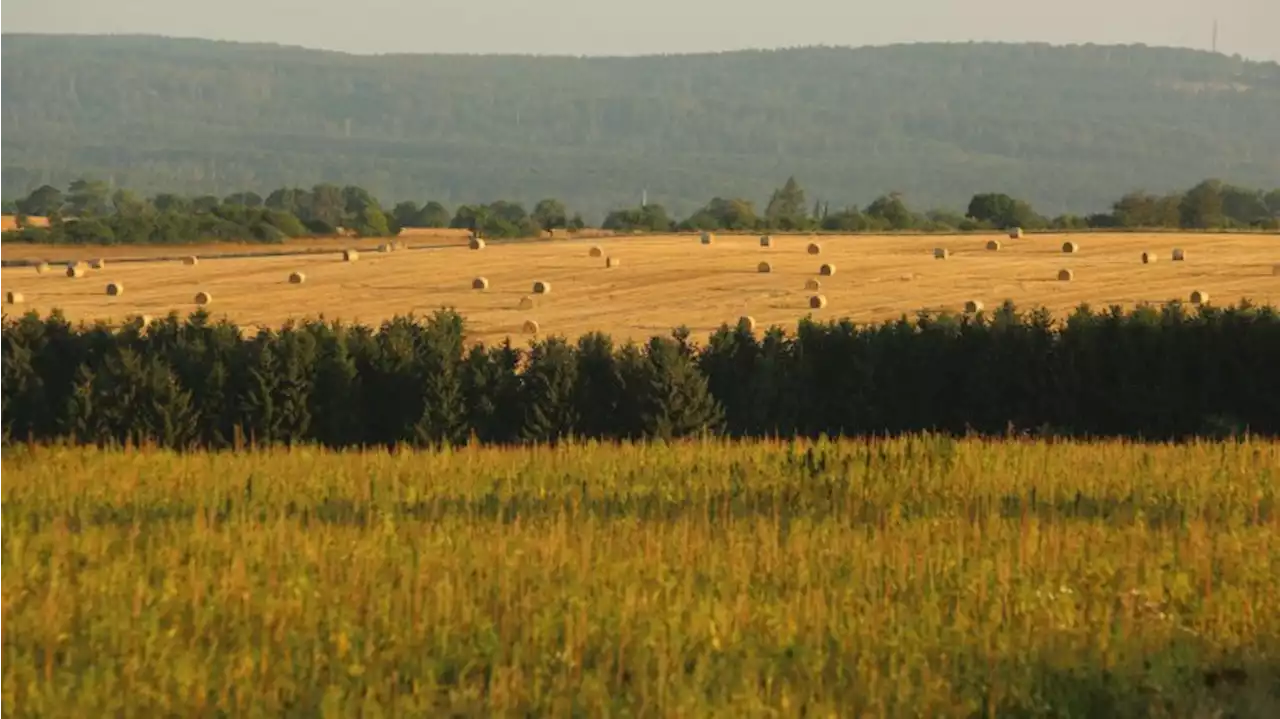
[913, 577]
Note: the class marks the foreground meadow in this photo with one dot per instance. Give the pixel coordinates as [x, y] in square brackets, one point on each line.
[913, 577]
[668, 281]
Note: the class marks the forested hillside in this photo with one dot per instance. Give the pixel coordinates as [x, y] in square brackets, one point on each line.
[1067, 129]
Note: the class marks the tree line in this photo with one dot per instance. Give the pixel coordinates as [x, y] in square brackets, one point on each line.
[1155, 373]
[89, 212]
[1211, 204]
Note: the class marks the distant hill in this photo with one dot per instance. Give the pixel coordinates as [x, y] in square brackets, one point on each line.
[1068, 128]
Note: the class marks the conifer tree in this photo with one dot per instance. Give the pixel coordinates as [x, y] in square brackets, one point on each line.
[598, 392]
[547, 392]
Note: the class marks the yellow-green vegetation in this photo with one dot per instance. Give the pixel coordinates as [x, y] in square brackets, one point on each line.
[911, 577]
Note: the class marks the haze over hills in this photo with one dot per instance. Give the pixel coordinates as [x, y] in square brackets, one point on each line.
[1067, 128]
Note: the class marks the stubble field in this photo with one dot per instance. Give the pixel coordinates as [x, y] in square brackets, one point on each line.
[667, 281]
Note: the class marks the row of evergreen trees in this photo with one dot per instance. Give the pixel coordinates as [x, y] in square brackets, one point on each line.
[1152, 372]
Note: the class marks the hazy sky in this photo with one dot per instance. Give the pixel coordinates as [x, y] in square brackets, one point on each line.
[612, 27]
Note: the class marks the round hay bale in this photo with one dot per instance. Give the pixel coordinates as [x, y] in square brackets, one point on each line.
[350, 255]
[475, 243]
[14, 298]
[526, 303]
[941, 253]
[1148, 257]
[817, 302]
[115, 289]
[812, 285]
[814, 248]
[541, 288]
[1179, 255]
[707, 238]
[595, 251]
[993, 245]
[191, 260]
[1070, 248]
[75, 271]
[144, 320]
[1275, 270]
[98, 264]
[748, 321]
[297, 278]
[42, 267]
[203, 298]
[610, 262]
[480, 283]
[386, 247]
[1015, 233]
[530, 327]
[766, 241]
[764, 268]
[973, 306]
[827, 270]
[1199, 298]
[1066, 275]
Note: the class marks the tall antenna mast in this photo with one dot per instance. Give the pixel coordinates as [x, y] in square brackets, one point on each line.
[644, 197]
[1215, 34]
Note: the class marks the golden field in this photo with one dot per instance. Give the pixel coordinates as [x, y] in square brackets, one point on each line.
[919, 576]
[667, 281]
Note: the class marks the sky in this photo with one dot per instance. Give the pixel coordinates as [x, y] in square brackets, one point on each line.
[614, 27]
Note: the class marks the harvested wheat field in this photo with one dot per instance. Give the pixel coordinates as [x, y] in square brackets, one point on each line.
[666, 281]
